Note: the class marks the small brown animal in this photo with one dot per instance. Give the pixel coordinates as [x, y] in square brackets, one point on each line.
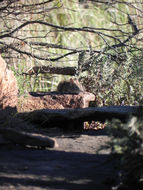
[71, 86]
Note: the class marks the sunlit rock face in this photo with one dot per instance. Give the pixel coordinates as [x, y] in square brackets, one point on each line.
[8, 87]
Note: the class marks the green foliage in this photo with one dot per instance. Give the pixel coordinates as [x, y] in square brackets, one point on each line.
[127, 140]
[116, 78]
[27, 83]
[114, 74]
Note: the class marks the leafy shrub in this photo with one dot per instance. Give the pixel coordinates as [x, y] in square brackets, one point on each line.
[127, 141]
[115, 79]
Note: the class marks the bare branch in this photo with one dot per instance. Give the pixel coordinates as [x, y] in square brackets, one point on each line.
[72, 29]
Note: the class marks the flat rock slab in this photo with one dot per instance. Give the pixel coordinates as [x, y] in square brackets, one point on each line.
[54, 100]
[75, 164]
[73, 119]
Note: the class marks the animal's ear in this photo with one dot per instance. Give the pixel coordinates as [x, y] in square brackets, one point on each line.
[71, 80]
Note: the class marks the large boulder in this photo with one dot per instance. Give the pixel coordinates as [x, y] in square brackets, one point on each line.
[8, 87]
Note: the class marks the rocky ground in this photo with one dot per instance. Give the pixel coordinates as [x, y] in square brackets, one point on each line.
[74, 164]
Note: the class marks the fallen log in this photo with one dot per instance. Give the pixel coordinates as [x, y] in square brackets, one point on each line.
[74, 118]
[53, 70]
[12, 136]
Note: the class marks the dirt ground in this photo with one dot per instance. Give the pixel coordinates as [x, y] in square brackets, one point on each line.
[76, 164]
